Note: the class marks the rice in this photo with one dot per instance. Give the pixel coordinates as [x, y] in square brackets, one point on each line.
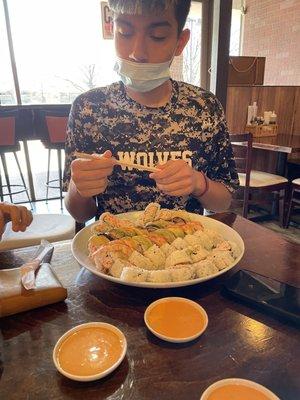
[181, 274]
[156, 256]
[159, 276]
[132, 274]
[205, 240]
[205, 268]
[140, 261]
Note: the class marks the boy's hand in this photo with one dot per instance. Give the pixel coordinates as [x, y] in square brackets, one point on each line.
[20, 217]
[177, 178]
[90, 176]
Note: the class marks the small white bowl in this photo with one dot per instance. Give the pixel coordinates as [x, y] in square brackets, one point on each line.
[172, 339]
[87, 378]
[238, 381]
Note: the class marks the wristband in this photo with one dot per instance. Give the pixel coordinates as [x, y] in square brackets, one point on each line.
[206, 185]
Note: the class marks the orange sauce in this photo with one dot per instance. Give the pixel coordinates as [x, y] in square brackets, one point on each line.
[89, 351]
[176, 319]
[237, 392]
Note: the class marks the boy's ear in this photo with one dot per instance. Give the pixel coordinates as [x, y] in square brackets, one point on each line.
[182, 41]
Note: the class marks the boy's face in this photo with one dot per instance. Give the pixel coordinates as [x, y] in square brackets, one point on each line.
[148, 39]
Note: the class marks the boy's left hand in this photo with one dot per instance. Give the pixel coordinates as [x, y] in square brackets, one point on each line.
[177, 178]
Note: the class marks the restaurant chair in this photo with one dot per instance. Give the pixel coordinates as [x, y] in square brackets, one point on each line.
[51, 227]
[294, 200]
[256, 184]
[56, 127]
[9, 144]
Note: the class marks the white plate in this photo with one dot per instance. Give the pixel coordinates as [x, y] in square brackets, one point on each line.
[88, 378]
[171, 338]
[80, 251]
[237, 381]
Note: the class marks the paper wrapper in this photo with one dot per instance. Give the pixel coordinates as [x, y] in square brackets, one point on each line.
[14, 298]
[28, 270]
[32, 285]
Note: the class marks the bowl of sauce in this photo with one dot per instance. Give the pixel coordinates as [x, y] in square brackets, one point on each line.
[237, 389]
[176, 319]
[89, 351]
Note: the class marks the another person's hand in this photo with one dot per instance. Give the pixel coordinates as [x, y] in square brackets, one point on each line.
[178, 178]
[20, 217]
[90, 176]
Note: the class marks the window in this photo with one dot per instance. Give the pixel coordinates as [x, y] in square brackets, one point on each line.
[235, 33]
[7, 91]
[187, 67]
[59, 49]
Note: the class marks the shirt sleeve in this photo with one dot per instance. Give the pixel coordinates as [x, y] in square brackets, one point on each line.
[74, 133]
[222, 166]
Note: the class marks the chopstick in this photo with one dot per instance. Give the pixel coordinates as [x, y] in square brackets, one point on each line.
[117, 162]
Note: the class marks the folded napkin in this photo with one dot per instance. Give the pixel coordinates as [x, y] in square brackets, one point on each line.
[32, 285]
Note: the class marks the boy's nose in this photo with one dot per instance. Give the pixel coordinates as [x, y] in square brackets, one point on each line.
[139, 53]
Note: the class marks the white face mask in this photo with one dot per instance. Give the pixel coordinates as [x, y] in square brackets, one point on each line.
[142, 77]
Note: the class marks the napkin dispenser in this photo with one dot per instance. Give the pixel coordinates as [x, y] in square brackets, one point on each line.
[14, 298]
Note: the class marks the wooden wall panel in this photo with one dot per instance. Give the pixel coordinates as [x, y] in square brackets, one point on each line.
[285, 100]
[296, 119]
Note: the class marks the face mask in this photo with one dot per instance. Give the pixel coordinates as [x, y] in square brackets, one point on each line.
[142, 77]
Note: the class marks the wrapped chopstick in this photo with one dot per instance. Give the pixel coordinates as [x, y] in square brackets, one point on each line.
[29, 269]
[117, 162]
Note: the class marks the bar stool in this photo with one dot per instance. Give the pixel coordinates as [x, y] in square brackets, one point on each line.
[56, 126]
[8, 144]
[293, 200]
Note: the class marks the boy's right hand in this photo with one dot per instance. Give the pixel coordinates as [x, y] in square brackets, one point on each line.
[90, 176]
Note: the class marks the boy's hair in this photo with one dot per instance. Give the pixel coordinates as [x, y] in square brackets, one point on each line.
[146, 7]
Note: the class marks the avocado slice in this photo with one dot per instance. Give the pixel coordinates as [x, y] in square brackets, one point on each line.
[143, 242]
[167, 234]
[178, 232]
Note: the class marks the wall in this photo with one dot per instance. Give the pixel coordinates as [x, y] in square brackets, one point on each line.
[284, 100]
[272, 29]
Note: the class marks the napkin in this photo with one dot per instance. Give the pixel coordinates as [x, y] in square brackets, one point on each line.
[46, 287]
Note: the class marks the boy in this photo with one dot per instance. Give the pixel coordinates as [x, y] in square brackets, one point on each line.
[148, 119]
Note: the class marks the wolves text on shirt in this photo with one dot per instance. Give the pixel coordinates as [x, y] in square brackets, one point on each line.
[151, 159]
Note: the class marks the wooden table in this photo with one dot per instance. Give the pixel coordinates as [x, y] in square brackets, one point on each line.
[283, 145]
[239, 341]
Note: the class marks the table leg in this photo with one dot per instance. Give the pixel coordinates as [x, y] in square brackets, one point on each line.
[281, 163]
[29, 172]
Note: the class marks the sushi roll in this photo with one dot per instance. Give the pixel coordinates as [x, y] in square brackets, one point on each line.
[181, 274]
[140, 261]
[132, 274]
[157, 239]
[166, 234]
[177, 230]
[143, 242]
[214, 236]
[159, 276]
[229, 246]
[198, 253]
[221, 258]
[95, 242]
[180, 244]
[167, 249]
[178, 257]
[192, 240]
[159, 224]
[149, 214]
[205, 268]
[204, 239]
[116, 269]
[156, 255]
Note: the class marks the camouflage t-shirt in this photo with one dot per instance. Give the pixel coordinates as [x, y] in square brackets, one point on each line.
[191, 127]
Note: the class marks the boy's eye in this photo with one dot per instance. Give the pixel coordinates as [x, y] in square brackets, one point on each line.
[124, 33]
[158, 38]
